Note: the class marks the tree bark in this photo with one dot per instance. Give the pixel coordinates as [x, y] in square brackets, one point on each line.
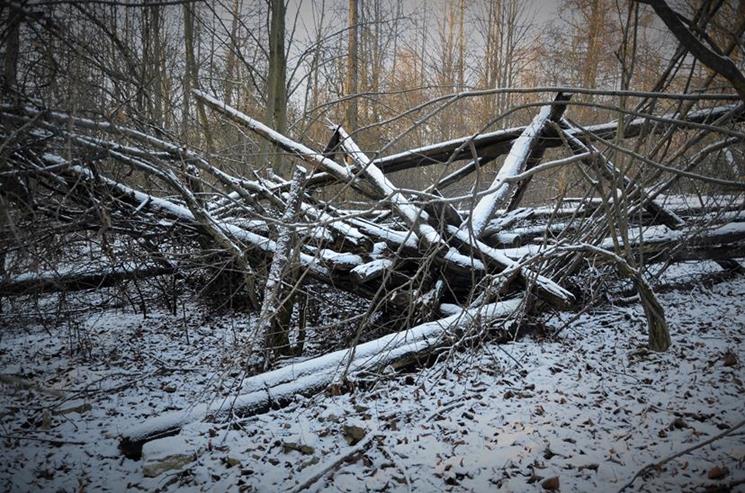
[276, 308]
[276, 108]
[12, 47]
[709, 56]
[353, 65]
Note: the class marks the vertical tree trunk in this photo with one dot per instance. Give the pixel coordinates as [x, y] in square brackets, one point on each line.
[276, 308]
[590, 71]
[276, 108]
[12, 46]
[461, 63]
[461, 46]
[191, 80]
[352, 65]
[156, 76]
[230, 60]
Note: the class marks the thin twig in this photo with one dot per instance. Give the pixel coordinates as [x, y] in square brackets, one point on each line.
[661, 463]
[41, 439]
[333, 464]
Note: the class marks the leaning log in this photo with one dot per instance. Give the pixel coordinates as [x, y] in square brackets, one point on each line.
[527, 149]
[276, 307]
[494, 144]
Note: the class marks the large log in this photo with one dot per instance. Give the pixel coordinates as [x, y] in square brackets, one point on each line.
[660, 243]
[527, 150]
[33, 283]
[277, 387]
[494, 144]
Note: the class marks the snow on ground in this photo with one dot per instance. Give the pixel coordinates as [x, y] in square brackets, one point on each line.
[590, 407]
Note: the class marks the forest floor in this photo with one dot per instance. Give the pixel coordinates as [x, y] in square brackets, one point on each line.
[584, 411]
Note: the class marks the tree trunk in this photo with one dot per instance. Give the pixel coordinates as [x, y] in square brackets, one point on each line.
[276, 108]
[12, 47]
[352, 65]
[191, 79]
[273, 326]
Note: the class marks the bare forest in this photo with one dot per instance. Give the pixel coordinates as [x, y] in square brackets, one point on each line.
[372, 245]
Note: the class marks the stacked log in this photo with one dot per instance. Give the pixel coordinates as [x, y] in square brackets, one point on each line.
[411, 252]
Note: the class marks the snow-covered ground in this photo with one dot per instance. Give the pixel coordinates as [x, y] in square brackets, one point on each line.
[589, 408]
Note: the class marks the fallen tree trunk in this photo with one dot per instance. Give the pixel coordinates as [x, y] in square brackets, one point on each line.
[494, 144]
[527, 150]
[659, 244]
[32, 283]
[277, 387]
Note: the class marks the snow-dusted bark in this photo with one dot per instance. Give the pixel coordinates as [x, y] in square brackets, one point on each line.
[415, 217]
[371, 270]
[545, 287]
[514, 164]
[47, 282]
[276, 305]
[526, 151]
[313, 158]
[254, 240]
[279, 386]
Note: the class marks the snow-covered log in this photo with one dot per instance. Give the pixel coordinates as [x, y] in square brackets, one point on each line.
[277, 387]
[493, 144]
[371, 270]
[315, 159]
[527, 149]
[659, 243]
[415, 217]
[33, 283]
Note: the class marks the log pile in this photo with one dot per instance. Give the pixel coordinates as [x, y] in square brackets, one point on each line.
[416, 253]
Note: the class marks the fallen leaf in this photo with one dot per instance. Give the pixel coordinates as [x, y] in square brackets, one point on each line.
[353, 434]
[717, 472]
[551, 484]
[729, 358]
[299, 447]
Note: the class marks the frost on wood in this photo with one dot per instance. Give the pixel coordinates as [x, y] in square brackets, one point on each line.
[404, 255]
[527, 146]
[313, 375]
[273, 325]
